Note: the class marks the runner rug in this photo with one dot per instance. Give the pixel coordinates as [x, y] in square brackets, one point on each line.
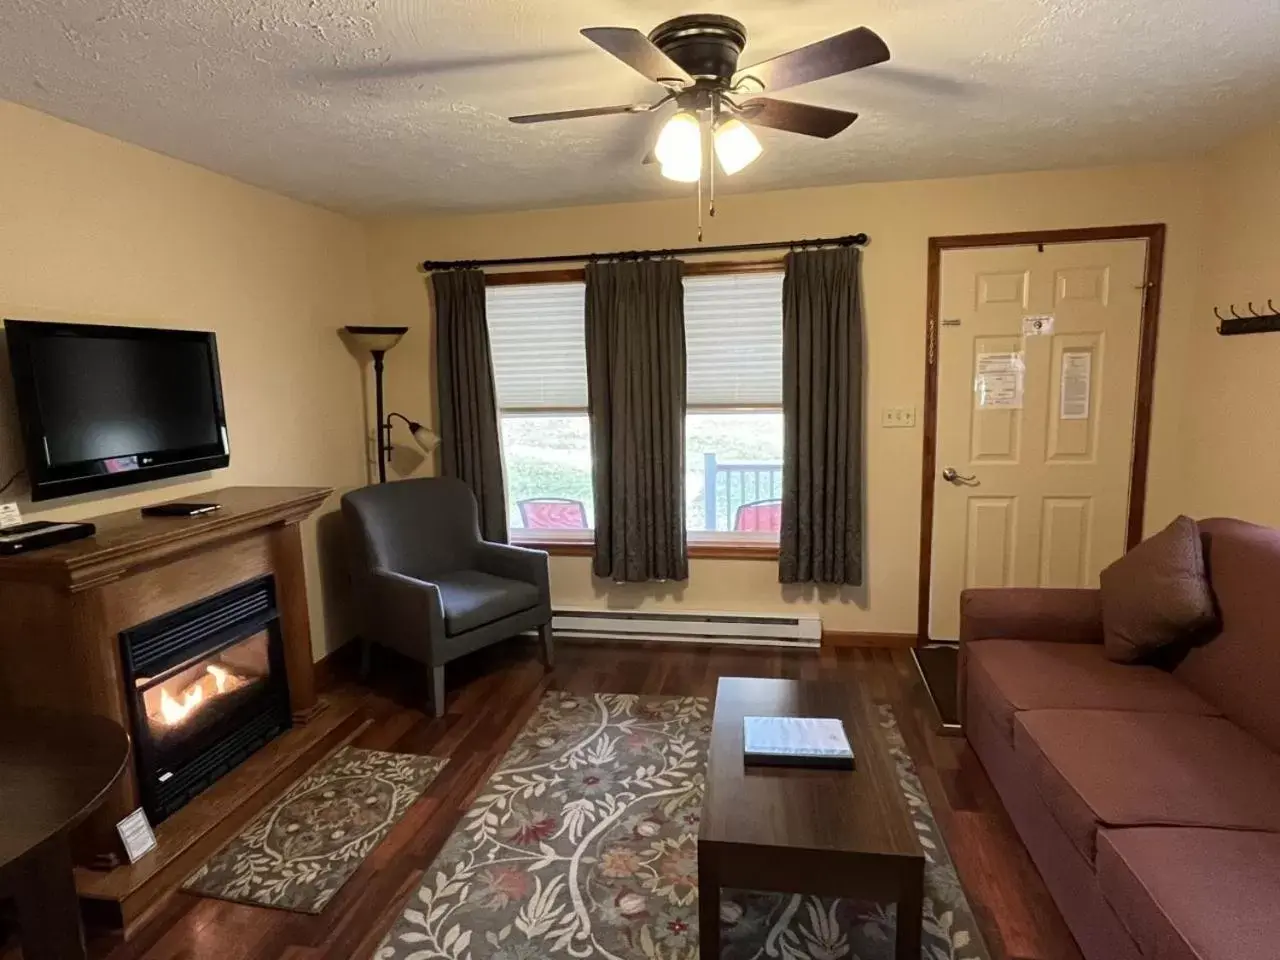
[584, 844]
[300, 851]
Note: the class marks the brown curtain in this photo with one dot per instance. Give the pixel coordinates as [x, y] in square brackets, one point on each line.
[469, 439]
[636, 397]
[821, 536]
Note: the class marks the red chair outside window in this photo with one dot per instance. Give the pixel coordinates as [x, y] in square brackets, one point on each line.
[763, 516]
[552, 513]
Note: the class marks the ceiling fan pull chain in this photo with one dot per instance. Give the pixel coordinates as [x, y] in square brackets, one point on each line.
[699, 206]
[711, 162]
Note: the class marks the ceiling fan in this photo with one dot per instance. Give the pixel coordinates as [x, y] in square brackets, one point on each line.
[695, 58]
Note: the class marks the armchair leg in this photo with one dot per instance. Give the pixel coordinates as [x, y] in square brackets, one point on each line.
[548, 645]
[437, 690]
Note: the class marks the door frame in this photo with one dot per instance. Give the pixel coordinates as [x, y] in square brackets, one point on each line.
[1154, 234]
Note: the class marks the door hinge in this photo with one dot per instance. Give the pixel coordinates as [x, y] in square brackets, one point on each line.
[932, 350]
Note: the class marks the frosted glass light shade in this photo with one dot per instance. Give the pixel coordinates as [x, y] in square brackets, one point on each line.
[375, 339]
[683, 173]
[736, 145]
[425, 438]
[679, 148]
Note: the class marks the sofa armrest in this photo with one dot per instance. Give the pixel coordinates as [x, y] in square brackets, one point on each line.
[515, 563]
[408, 614]
[1031, 613]
[1025, 613]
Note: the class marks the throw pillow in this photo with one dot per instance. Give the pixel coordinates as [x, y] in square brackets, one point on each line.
[1156, 594]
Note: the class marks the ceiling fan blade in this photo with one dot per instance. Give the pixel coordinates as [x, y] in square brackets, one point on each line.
[588, 112]
[823, 122]
[842, 53]
[634, 49]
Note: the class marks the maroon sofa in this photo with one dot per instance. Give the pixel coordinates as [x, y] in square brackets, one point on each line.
[1149, 800]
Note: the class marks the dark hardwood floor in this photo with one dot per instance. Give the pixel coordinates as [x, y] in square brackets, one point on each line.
[491, 695]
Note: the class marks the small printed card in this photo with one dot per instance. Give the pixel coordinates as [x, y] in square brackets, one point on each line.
[135, 834]
[10, 515]
[796, 742]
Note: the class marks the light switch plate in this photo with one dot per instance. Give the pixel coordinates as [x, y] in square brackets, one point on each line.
[898, 417]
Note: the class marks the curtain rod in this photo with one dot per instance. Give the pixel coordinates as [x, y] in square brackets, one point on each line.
[854, 240]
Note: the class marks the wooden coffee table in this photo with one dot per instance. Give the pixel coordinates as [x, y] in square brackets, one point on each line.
[823, 832]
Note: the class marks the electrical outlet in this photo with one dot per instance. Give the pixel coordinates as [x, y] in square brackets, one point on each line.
[898, 416]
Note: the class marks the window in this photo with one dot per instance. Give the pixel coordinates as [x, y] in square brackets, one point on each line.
[540, 375]
[733, 429]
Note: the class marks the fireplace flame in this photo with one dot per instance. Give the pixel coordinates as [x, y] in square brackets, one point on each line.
[173, 711]
[217, 680]
[219, 677]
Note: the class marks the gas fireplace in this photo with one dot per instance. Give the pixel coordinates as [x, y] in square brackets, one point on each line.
[208, 689]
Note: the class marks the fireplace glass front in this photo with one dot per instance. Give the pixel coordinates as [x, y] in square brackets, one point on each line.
[209, 690]
[182, 709]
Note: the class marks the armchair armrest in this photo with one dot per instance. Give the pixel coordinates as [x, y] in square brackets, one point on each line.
[407, 614]
[1025, 613]
[515, 563]
[1031, 613]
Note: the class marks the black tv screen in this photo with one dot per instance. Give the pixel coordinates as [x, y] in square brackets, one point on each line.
[106, 406]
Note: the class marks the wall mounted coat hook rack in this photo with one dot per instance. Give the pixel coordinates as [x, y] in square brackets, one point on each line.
[1255, 322]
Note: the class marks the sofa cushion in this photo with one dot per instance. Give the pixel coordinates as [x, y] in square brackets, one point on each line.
[1012, 675]
[1156, 594]
[471, 599]
[1194, 894]
[1239, 670]
[1126, 769]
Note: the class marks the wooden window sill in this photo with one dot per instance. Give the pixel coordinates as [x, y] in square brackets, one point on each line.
[698, 550]
[727, 549]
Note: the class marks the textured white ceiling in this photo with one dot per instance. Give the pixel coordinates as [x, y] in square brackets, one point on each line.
[396, 105]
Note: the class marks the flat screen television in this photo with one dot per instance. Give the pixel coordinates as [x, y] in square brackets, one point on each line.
[105, 407]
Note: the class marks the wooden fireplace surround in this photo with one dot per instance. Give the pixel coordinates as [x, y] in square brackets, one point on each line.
[61, 613]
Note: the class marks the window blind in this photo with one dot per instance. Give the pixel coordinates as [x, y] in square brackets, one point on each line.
[733, 337]
[538, 345]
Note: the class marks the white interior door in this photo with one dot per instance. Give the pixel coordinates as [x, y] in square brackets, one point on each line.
[1037, 385]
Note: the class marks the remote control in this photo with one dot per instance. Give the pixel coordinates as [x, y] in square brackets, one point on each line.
[180, 509]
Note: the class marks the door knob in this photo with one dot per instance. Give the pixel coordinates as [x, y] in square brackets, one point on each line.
[951, 475]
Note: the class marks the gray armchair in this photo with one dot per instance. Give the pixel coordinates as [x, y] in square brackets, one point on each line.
[428, 587]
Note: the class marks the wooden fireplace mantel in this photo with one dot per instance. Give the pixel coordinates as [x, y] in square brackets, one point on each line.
[62, 610]
[128, 541]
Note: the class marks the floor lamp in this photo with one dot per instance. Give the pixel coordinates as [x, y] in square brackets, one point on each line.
[378, 340]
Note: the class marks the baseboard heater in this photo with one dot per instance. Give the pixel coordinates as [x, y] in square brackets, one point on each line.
[732, 629]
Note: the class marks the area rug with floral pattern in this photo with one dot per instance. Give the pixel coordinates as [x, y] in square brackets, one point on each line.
[584, 844]
[298, 853]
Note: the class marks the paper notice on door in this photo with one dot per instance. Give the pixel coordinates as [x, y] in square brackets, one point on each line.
[997, 384]
[1077, 373]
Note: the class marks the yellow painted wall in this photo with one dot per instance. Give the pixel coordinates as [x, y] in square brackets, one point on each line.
[95, 230]
[900, 217]
[1232, 453]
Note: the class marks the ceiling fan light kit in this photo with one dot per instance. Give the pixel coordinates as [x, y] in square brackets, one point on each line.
[736, 145]
[679, 148]
[695, 58]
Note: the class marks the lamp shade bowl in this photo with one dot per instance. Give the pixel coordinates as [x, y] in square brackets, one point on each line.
[375, 339]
